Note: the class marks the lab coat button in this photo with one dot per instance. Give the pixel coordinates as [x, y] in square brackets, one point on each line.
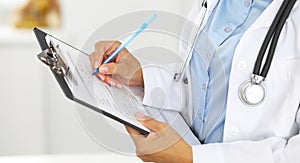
[241, 65]
[234, 131]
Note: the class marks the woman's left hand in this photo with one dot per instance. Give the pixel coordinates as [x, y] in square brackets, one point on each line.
[162, 145]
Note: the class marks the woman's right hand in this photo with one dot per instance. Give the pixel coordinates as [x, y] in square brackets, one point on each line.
[123, 69]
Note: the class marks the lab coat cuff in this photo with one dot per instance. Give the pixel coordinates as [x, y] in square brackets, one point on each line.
[150, 83]
[159, 85]
[239, 151]
[207, 153]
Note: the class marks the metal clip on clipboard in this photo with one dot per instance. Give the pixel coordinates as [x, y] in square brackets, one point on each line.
[52, 58]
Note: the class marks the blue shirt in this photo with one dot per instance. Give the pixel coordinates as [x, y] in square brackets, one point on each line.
[211, 63]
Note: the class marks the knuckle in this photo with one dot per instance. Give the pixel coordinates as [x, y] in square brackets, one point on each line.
[139, 156]
[117, 43]
[145, 159]
[142, 157]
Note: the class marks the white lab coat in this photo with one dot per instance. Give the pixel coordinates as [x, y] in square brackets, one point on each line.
[266, 133]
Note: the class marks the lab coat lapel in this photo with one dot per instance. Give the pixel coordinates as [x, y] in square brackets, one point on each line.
[267, 17]
[211, 4]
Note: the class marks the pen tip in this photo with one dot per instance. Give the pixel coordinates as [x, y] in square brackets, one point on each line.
[95, 72]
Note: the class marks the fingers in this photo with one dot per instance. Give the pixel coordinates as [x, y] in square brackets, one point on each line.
[102, 49]
[122, 69]
[113, 47]
[109, 74]
[150, 123]
[106, 73]
[136, 136]
[105, 48]
[112, 82]
[132, 131]
[101, 76]
[109, 80]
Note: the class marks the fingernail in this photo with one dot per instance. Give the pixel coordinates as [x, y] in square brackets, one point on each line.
[140, 116]
[112, 83]
[96, 65]
[119, 85]
[103, 69]
[101, 77]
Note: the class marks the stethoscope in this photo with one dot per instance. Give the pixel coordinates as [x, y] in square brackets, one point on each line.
[251, 92]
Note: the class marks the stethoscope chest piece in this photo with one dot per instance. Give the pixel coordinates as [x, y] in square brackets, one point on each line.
[252, 93]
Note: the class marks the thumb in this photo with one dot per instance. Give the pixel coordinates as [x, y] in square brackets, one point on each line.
[150, 123]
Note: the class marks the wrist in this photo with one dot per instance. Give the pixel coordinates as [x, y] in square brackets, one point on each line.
[187, 155]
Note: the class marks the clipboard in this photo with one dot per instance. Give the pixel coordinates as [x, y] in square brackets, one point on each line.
[53, 56]
[54, 60]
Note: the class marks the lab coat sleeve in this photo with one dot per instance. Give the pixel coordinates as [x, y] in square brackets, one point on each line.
[270, 150]
[159, 85]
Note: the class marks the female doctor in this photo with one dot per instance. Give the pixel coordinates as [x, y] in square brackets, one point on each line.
[233, 125]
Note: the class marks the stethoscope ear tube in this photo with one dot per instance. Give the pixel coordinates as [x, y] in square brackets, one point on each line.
[273, 34]
[178, 76]
[275, 39]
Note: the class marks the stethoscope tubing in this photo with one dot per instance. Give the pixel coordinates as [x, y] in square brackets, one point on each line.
[178, 76]
[274, 34]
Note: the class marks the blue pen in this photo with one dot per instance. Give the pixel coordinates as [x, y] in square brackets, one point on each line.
[127, 41]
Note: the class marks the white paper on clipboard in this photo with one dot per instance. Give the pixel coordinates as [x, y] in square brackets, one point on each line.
[120, 102]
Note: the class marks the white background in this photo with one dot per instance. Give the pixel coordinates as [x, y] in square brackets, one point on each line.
[35, 117]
